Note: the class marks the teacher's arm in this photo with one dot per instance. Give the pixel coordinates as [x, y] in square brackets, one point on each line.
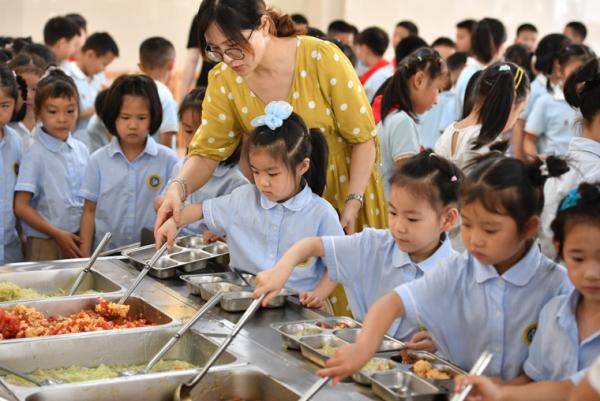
[362, 161]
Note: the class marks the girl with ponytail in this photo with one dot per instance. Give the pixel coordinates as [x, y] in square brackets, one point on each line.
[487, 39]
[551, 124]
[498, 98]
[262, 220]
[582, 92]
[411, 91]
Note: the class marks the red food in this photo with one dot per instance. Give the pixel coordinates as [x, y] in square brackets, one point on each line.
[23, 322]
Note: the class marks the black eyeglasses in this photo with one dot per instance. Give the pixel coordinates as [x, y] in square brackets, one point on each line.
[234, 53]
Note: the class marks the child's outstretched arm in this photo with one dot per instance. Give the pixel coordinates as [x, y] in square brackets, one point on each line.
[485, 389]
[350, 358]
[271, 282]
[188, 215]
[67, 242]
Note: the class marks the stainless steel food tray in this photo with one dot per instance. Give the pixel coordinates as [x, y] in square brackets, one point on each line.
[68, 306]
[221, 383]
[403, 386]
[118, 348]
[239, 301]
[291, 332]
[188, 255]
[57, 282]
[363, 376]
[195, 282]
[438, 363]
[310, 347]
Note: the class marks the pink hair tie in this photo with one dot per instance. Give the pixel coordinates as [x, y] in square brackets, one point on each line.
[454, 178]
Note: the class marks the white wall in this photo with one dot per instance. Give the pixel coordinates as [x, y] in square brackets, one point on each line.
[131, 21]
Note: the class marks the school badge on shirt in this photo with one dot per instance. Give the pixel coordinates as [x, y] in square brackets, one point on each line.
[154, 181]
[529, 332]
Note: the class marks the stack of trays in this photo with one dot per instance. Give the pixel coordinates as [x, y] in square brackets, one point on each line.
[237, 295]
[189, 254]
[396, 380]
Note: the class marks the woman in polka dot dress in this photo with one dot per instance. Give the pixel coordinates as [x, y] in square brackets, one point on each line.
[264, 60]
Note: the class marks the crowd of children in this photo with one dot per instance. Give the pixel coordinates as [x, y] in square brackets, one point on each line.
[493, 150]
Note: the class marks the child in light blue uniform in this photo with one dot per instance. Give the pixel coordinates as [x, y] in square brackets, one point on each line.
[264, 220]
[552, 122]
[371, 263]
[47, 192]
[401, 102]
[123, 178]
[568, 336]
[10, 157]
[488, 298]
[227, 175]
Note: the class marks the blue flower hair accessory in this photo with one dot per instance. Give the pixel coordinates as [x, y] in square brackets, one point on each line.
[571, 200]
[275, 113]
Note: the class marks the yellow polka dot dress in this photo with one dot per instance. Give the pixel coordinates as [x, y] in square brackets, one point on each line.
[327, 94]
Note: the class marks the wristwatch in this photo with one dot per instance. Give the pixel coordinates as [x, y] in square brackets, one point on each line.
[357, 197]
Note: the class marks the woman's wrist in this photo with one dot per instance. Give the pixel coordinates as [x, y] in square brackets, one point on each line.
[179, 187]
[355, 198]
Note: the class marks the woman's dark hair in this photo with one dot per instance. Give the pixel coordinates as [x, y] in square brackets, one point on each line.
[192, 101]
[547, 52]
[408, 45]
[487, 37]
[579, 206]
[55, 84]
[508, 186]
[582, 90]
[234, 16]
[132, 85]
[430, 176]
[499, 86]
[292, 143]
[396, 94]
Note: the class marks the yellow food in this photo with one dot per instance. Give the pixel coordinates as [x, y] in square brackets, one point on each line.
[12, 292]
[425, 370]
[327, 350]
[377, 365]
[75, 374]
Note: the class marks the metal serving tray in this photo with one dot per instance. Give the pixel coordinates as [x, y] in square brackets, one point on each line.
[240, 301]
[122, 348]
[437, 363]
[247, 383]
[57, 282]
[195, 282]
[188, 255]
[401, 386]
[207, 291]
[68, 306]
[363, 376]
[291, 332]
[310, 347]
[388, 344]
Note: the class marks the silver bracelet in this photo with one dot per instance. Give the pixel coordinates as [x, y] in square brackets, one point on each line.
[357, 197]
[182, 185]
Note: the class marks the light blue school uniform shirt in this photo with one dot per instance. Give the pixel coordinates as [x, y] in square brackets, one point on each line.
[124, 191]
[468, 308]
[10, 158]
[169, 106]
[260, 231]
[377, 79]
[370, 265]
[430, 122]
[552, 120]
[447, 113]
[52, 170]
[399, 137]
[223, 181]
[470, 69]
[88, 88]
[538, 88]
[556, 352]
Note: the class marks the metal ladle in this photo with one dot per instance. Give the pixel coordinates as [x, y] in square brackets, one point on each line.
[91, 262]
[183, 391]
[147, 266]
[480, 365]
[173, 340]
[24, 376]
